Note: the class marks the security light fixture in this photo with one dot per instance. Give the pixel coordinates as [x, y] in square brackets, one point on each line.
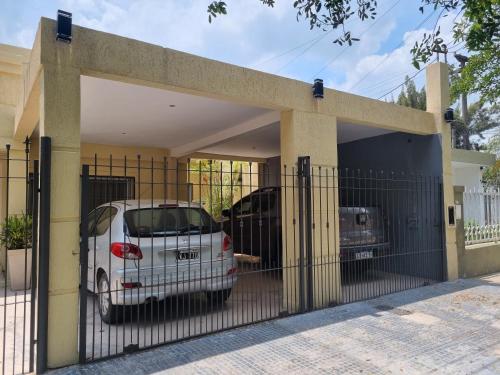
[318, 91]
[64, 20]
[448, 115]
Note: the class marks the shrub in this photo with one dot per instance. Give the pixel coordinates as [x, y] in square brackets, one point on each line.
[16, 232]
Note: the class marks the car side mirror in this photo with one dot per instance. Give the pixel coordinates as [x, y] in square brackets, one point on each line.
[226, 212]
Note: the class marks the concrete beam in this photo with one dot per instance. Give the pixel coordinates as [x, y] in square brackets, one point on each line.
[244, 127]
[28, 105]
[113, 57]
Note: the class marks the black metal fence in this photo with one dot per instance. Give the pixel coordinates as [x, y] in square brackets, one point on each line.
[186, 249]
[19, 185]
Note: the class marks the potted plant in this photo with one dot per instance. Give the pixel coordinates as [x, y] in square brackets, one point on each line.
[15, 235]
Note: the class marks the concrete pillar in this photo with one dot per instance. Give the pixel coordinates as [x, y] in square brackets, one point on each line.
[314, 135]
[458, 192]
[438, 99]
[60, 120]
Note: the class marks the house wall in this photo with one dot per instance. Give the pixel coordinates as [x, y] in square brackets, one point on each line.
[270, 172]
[469, 176]
[152, 169]
[480, 259]
[398, 152]
[408, 171]
[308, 127]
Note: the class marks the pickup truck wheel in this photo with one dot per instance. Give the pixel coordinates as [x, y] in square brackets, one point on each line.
[219, 295]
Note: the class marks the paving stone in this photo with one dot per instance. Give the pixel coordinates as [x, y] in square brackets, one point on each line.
[448, 328]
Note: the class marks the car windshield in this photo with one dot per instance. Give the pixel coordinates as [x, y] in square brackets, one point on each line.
[171, 221]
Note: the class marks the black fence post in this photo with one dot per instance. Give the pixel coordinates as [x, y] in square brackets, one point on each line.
[305, 234]
[34, 253]
[44, 247]
[84, 259]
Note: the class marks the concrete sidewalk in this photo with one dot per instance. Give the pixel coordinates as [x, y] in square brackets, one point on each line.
[451, 328]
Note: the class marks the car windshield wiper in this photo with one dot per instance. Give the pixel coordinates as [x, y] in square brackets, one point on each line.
[171, 232]
[191, 228]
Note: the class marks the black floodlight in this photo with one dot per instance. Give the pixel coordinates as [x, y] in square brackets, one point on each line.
[318, 91]
[448, 115]
[64, 20]
[461, 58]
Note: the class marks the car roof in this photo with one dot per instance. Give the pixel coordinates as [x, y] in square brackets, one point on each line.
[133, 204]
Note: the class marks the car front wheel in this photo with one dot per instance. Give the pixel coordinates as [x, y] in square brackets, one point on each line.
[109, 312]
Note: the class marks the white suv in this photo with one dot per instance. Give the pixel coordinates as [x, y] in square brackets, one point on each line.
[143, 251]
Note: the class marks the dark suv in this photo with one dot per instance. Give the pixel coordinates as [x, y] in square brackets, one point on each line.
[254, 223]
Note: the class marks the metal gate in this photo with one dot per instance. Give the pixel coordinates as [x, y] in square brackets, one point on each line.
[187, 249]
[23, 306]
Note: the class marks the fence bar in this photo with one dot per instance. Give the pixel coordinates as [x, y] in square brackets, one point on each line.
[84, 248]
[5, 286]
[309, 231]
[34, 253]
[300, 185]
[44, 248]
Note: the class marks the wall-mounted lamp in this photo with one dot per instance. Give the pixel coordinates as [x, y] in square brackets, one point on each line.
[64, 21]
[448, 115]
[318, 91]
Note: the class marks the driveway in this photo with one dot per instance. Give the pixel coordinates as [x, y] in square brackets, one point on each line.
[451, 328]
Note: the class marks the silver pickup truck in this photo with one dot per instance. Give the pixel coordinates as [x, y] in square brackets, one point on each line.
[254, 224]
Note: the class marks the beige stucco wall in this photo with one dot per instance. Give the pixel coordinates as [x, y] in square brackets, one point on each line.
[480, 259]
[314, 135]
[151, 168]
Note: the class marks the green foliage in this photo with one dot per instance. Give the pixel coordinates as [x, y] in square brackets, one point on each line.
[480, 75]
[493, 145]
[478, 28]
[410, 97]
[481, 119]
[491, 176]
[218, 184]
[16, 232]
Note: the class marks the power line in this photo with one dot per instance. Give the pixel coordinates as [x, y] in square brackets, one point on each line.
[362, 33]
[290, 50]
[387, 56]
[304, 51]
[406, 80]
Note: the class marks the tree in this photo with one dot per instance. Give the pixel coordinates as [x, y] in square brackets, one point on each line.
[410, 97]
[482, 119]
[478, 28]
[491, 176]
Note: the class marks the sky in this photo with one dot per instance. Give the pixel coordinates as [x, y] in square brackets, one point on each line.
[253, 35]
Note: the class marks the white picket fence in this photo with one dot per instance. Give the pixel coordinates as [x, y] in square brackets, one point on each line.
[481, 215]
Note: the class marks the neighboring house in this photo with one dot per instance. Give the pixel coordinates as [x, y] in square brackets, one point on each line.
[468, 167]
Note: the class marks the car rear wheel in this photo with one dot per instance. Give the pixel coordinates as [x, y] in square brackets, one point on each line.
[109, 312]
[219, 295]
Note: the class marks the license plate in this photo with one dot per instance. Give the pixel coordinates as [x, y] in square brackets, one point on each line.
[187, 255]
[364, 255]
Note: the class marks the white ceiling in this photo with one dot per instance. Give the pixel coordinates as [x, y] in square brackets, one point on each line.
[131, 115]
[111, 108]
[260, 143]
